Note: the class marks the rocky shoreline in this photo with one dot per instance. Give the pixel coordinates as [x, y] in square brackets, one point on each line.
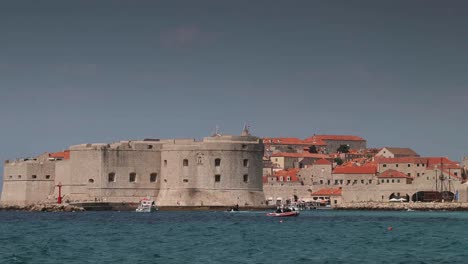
[43, 208]
[418, 206]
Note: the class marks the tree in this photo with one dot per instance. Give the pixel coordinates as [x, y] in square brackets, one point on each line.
[343, 149]
[313, 149]
[338, 161]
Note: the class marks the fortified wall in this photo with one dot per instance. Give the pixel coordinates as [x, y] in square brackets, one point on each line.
[216, 171]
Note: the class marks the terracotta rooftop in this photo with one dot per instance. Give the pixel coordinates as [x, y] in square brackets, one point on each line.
[327, 192]
[334, 137]
[284, 141]
[355, 170]
[393, 174]
[292, 173]
[322, 162]
[430, 162]
[60, 155]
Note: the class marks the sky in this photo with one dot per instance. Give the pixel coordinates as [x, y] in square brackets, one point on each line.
[392, 72]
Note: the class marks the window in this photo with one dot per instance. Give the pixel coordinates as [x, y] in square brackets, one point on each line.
[153, 177]
[417, 165]
[349, 181]
[165, 163]
[321, 181]
[246, 162]
[341, 181]
[422, 165]
[246, 178]
[132, 177]
[455, 173]
[382, 181]
[336, 182]
[19, 176]
[185, 163]
[276, 159]
[91, 180]
[418, 174]
[47, 177]
[34, 176]
[217, 162]
[409, 165]
[388, 181]
[217, 178]
[409, 174]
[111, 177]
[10, 177]
[370, 181]
[150, 146]
[385, 165]
[398, 182]
[362, 181]
[396, 165]
[281, 178]
[393, 181]
[328, 182]
[288, 178]
[244, 146]
[185, 180]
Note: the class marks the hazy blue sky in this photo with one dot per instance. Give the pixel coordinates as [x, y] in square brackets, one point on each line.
[393, 72]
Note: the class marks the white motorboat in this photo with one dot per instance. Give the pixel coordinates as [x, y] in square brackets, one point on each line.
[146, 206]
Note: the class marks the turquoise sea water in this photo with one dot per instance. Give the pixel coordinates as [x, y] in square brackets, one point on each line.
[242, 237]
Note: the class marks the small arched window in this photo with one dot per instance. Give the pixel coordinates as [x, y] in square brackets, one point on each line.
[217, 162]
[246, 162]
[153, 177]
[185, 163]
[246, 177]
[91, 180]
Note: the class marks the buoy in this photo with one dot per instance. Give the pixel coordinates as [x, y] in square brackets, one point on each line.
[390, 228]
[281, 221]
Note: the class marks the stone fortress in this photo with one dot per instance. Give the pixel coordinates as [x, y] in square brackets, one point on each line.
[220, 170]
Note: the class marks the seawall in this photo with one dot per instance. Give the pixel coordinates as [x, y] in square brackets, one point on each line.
[418, 206]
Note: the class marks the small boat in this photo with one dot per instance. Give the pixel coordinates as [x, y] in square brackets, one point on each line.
[283, 214]
[146, 206]
[234, 209]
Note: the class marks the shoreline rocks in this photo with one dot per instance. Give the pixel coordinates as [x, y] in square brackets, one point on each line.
[395, 206]
[43, 208]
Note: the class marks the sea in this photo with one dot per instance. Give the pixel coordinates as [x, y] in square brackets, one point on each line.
[319, 236]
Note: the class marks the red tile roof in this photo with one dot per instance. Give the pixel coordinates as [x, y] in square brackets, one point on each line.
[284, 141]
[322, 162]
[335, 138]
[300, 155]
[441, 162]
[292, 173]
[393, 174]
[355, 170]
[60, 155]
[430, 162]
[327, 192]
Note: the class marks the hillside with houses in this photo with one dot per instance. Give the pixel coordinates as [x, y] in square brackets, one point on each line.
[336, 169]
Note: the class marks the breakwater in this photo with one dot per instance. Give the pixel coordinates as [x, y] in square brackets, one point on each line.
[42, 207]
[418, 206]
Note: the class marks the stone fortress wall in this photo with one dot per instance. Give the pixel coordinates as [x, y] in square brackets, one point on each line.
[217, 171]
